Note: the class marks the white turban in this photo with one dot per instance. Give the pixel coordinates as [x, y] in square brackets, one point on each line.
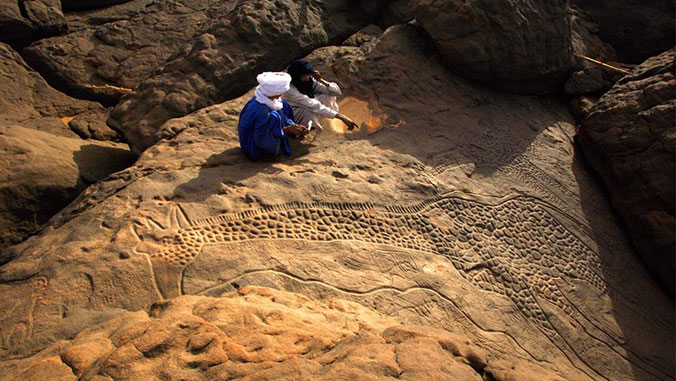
[273, 83]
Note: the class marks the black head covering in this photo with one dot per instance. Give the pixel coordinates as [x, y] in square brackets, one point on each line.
[298, 68]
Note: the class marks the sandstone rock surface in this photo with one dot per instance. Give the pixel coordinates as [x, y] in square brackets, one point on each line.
[455, 207]
[636, 29]
[121, 50]
[88, 4]
[590, 77]
[27, 100]
[521, 46]
[224, 58]
[21, 21]
[264, 334]
[45, 163]
[629, 137]
[42, 173]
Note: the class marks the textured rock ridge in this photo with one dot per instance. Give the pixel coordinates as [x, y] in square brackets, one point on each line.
[522, 46]
[264, 334]
[629, 137]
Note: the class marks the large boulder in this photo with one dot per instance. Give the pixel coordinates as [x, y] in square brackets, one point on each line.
[455, 207]
[637, 29]
[45, 163]
[117, 47]
[42, 173]
[27, 100]
[223, 60]
[13, 25]
[590, 77]
[22, 21]
[71, 5]
[521, 46]
[629, 137]
[46, 15]
[265, 334]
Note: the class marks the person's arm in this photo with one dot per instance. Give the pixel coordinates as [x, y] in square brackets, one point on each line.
[299, 99]
[348, 122]
[323, 86]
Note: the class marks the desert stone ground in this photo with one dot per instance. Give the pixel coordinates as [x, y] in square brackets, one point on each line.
[458, 234]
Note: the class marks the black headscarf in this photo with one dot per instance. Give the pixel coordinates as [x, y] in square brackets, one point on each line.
[298, 68]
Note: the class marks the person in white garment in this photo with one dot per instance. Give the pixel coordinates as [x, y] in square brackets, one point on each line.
[312, 98]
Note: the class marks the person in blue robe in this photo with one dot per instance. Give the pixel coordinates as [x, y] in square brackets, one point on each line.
[266, 121]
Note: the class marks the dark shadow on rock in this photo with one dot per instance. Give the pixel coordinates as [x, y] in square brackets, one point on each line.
[638, 303]
[95, 162]
[232, 166]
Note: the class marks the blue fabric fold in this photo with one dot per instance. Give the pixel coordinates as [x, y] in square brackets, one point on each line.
[261, 130]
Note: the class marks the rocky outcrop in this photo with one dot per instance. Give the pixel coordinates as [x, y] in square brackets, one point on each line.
[261, 333]
[44, 161]
[636, 29]
[88, 4]
[455, 208]
[520, 46]
[395, 12]
[42, 173]
[21, 21]
[12, 24]
[224, 58]
[46, 15]
[122, 51]
[628, 137]
[27, 100]
[589, 77]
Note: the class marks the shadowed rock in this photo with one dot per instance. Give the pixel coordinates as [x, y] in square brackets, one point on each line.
[521, 46]
[628, 136]
[42, 173]
[636, 29]
[22, 21]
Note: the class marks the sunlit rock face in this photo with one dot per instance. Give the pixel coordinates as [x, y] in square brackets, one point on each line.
[455, 207]
[238, 40]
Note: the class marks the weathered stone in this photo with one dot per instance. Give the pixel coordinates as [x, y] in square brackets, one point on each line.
[121, 50]
[247, 38]
[484, 223]
[581, 105]
[636, 29]
[42, 173]
[46, 15]
[13, 26]
[591, 77]
[520, 46]
[629, 138]
[261, 333]
[23, 21]
[367, 34]
[27, 100]
[88, 4]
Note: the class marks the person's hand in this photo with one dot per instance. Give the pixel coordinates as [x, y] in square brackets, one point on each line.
[348, 122]
[316, 75]
[296, 129]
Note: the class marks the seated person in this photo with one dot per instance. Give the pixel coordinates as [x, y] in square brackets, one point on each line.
[266, 120]
[311, 97]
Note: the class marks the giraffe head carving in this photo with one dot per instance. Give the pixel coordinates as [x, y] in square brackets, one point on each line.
[156, 235]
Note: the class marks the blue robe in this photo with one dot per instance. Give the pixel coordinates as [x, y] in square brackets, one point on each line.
[261, 130]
